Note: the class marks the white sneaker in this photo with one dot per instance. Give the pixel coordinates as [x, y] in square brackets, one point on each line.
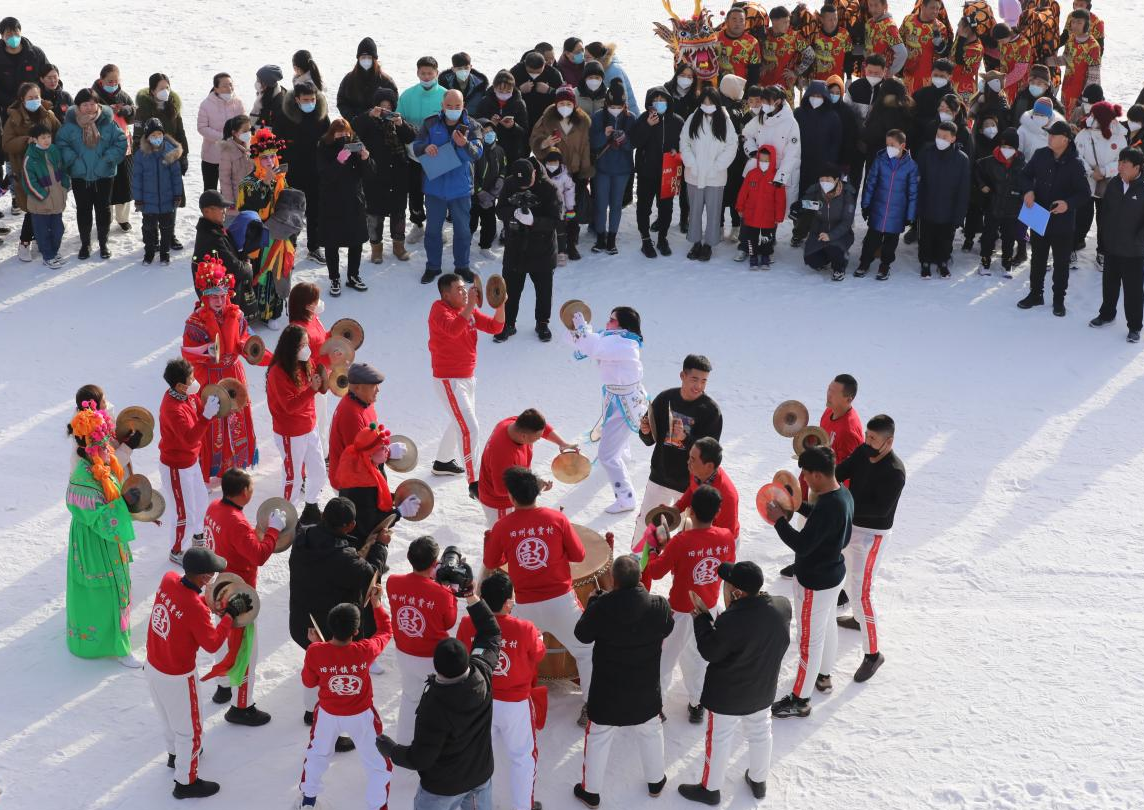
[375, 667]
[488, 254]
[621, 505]
[277, 323]
[56, 262]
[130, 661]
[561, 259]
[24, 252]
[733, 236]
[176, 557]
[741, 256]
[984, 270]
[415, 235]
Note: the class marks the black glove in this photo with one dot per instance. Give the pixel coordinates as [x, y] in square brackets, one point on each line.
[795, 209]
[238, 604]
[776, 184]
[133, 438]
[865, 214]
[385, 745]
[131, 498]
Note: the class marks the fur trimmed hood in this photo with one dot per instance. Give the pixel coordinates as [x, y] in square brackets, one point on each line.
[292, 111]
[171, 149]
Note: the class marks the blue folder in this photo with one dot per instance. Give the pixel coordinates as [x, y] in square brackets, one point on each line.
[445, 160]
[1036, 217]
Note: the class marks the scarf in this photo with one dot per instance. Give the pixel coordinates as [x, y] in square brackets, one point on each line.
[87, 124]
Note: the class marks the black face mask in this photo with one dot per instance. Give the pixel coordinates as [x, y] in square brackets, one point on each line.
[870, 451]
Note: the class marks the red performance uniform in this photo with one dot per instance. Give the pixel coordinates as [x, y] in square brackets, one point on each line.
[539, 545]
[728, 515]
[500, 453]
[521, 650]
[228, 532]
[920, 38]
[317, 335]
[1016, 57]
[453, 340]
[350, 417]
[181, 430]
[881, 37]
[341, 671]
[1082, 68]
[737, 55]
[693, 558]
[781, 52]
[424, 612]
[291, 401]
[830, 52]
[180, 624]
[966, 68]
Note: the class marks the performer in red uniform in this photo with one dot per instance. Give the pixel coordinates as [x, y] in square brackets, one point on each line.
[230, 535]
[785, 54]
[304, 306]
[510, 445]
[291, 385]
[882, 37]
[231, 442]
[362, 481]
[514, 713]
[1082, 55]
[840, 419]
[183, 422]
[966, 56]
[831, 44]
[453, 325]
[339, 668]
[926, 38]
[739, 52]
[693, 558]
[424, 611]
[180, 625]
[1016, 59]
[703, 464]
[355, 411]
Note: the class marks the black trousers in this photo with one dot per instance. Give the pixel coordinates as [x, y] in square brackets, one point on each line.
[313, 217]
[873, 240]
[92, 197]
[974, 217]
[416, 194]
[730, 196]
[935, 242]
[647, 195]
[684, 205]
[759, 241]
[994, 227]
[1126, 271]
[353, 261]
[1060, 245]
[833, 255]
[158, 233]
[1085, 215]
[210, 176]
[541, 281]
[486, 218]
[27, 232]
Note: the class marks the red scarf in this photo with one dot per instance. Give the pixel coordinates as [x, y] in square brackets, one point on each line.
[356, 469]
[227, 324]
[1001, 158]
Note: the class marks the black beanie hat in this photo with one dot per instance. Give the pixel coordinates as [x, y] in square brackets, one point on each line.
[153, 125]
[385, 94]
[450, 659]
[521, 169]
[368, 47]
[615, 93]
[1093, 93]
[1009, 137]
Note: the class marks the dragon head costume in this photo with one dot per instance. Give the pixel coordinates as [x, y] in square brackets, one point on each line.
[692, 41]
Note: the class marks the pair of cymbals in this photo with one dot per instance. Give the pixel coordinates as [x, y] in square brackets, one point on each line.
[664, 513]
[254, 350]
[135, 417]
[350, 331]
[338, 380]
[408, 461]
[225, 402]
[262, 521]
[227, 585]
[570, 308]
[790, 417]
[415, 486]
[236, 389]
[496, 291]
[149, 505]
[571, 466]
[339, 351]
[777, 493]
[812, 436]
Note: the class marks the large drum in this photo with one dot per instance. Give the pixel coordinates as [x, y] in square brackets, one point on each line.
[594, 572]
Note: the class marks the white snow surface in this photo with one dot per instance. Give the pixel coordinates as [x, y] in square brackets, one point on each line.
[1013, 674]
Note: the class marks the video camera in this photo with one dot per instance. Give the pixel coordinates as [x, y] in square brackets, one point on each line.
[525, 200]
[455, 573]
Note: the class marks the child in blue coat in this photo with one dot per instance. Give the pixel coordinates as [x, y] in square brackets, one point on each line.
[889, 203]
[157, 188]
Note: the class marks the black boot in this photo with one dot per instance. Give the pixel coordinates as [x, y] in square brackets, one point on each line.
[573, 245]
[698, 793]
[1033, 299]
[696, 251]
[662, 246]
[601, 243]
[84, 250]
[656, 788]
[758, 789]
[250, 716]
[590, 799]
[222, 695]
[647, 248]
[104, 253]
[612, 249]
[870, 665]
[543, 332]
[1022, 254]
[198, 789]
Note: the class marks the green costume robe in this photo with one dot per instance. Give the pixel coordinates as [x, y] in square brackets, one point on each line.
[99, 576]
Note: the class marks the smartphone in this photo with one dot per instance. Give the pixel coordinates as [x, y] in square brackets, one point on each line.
[283, 168]
[464, 130]
[354, 146]
[811, 205]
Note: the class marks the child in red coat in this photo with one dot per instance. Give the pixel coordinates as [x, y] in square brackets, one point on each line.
[762, 205]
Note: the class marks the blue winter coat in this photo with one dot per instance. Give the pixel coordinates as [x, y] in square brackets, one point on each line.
[157, 178]
[458, 181]
[92, 164]
[891, 192]
[617, 158]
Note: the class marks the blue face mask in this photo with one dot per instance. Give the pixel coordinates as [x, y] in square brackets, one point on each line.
[577, 58]
[13, 41]
[156, 140]
[659, 106]
[462, 74]
[490, 137]
[429, 84]
[307, 106]
[32, 104]
[453, 115]
[110, 88]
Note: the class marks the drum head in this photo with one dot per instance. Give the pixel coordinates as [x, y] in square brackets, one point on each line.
[597, 555]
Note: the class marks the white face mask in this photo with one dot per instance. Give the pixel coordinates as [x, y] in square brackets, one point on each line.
[873, 80]
[593, 84]
[615, 112]
[683, 82]
[1036, 90]
[945, 117]
[708, 109]
[366, 63]
[755, 110]
[1041, 120]
[764, 165]
[995, 85]
[1086, 106]
[768, 108]
[225, 96]
[565, 110]
[990, 132]
[534, 76]
[244, 136]
[1007, 152]
[1133, 126]
[193, 387]
[319, 307]
[304, 354]
[816, 101]
[552, 167]
[942, 144]
[940, 82]
[165, 94]
[827, 186]
[503, 96]
[893, 151]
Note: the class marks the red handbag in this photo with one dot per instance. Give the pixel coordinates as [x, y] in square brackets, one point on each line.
[672, 175]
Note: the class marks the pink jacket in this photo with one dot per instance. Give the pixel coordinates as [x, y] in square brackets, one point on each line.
[213, 115]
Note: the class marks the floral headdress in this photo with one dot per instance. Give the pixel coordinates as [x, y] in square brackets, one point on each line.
[95, 427]
[265, 142]
[211, 277]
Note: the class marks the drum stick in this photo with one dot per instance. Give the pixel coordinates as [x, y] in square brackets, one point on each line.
[317, 630]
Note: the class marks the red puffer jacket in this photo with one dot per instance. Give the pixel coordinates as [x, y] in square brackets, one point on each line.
[761, 203]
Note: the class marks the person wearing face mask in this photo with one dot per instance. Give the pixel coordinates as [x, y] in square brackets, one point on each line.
[211, 238]
[1135, 126]
[1078, 118]
[656, 133]
[303, 120]
[28, 110]
[1000, 181]
[707, 146]
[733, 90]
[684, 95]
[488, 179]
[158, 100]
[304, 306]
[1098, 145]
[557, 175]
[612, 147]
[927, 99]
[20, 61]
[821, 137]
[537, 83]
[849, 153]
[220, 105]
[571, 61]
[877, 477]
[566, 127]
[1122, 216]
[943, 198]
[590, 92]
[860, 95]
[776, 125]
[991, 102]
[1040, 86]
[1016, 59]
[831, 232]
[343, 165]
[967, 55]
[269, 95]
[157, 186]
[461, 76]
[889, 203]
[415, 104]
[109, 92]
[762, 206]
[184, 420]
[925, 37]
[359, 86]
[504, 107]
[45, 185]
[605, 54]
[985, 133]
[386, 135]
[234, 161]
[1034, 126]
[892, 108]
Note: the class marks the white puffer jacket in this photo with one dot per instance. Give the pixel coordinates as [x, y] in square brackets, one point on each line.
[780, 130]
[1098, 152]
[1033, 136]
[618, 357]
[705, 157]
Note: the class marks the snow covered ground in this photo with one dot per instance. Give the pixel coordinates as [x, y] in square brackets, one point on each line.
[1013, 675]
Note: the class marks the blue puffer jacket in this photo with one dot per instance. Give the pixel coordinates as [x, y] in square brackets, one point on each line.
[458, 181]
[92, 164]
[612, 157]
[157, 179]
[891, 192]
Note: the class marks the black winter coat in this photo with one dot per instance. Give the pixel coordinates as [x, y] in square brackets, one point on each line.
[386, 143]
[473, 91]
[1051, 179]
[60, 99]
[1005, 183]
[943, 185]
[530, 247]
[627, 628]
[270, 113]
[880, 121]
[514, 139]
[301, 132]
[536, 103]
[653, 142]
[926, 101]
[821, 134]
[325, 571]
[683, 102]
[211, 238]
[355, 93]
[17, 68]
[1122, 218]
[744, 651]
[342, 206]
[452, 747]
[850, 155]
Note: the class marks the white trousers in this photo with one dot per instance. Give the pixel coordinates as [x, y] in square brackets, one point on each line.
[863, 556]
[321, 409]
[654, 495]
[613, 453]
[814, 616]
[459, 395]
[189, 498]
[558, 616]
[310, 697]
[413, 670]
[717, 752]
[680, 647]
[513, 726]
[598, 741]
[363, 729]
[493, 515]
[243, 696]
[302, 459]
[176, 698]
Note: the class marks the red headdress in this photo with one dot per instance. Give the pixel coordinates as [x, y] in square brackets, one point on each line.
[264, 142]
[211, 277]
[356, 467]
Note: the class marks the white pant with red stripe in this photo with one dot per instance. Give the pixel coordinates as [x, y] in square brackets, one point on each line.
[814, 616]
[717, 753]
[863, 556]
[413, 669]
[680, 647]
[187, 494]
[598, 741]
[654, 495]
[558, 616]
[513, 725]
[363, 729]
[459, 394]
[302, 458]
[176, 698]
[243, 696]
[493, 515]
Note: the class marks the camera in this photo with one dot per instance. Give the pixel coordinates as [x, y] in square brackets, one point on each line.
[454, 572]
[524, 200]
